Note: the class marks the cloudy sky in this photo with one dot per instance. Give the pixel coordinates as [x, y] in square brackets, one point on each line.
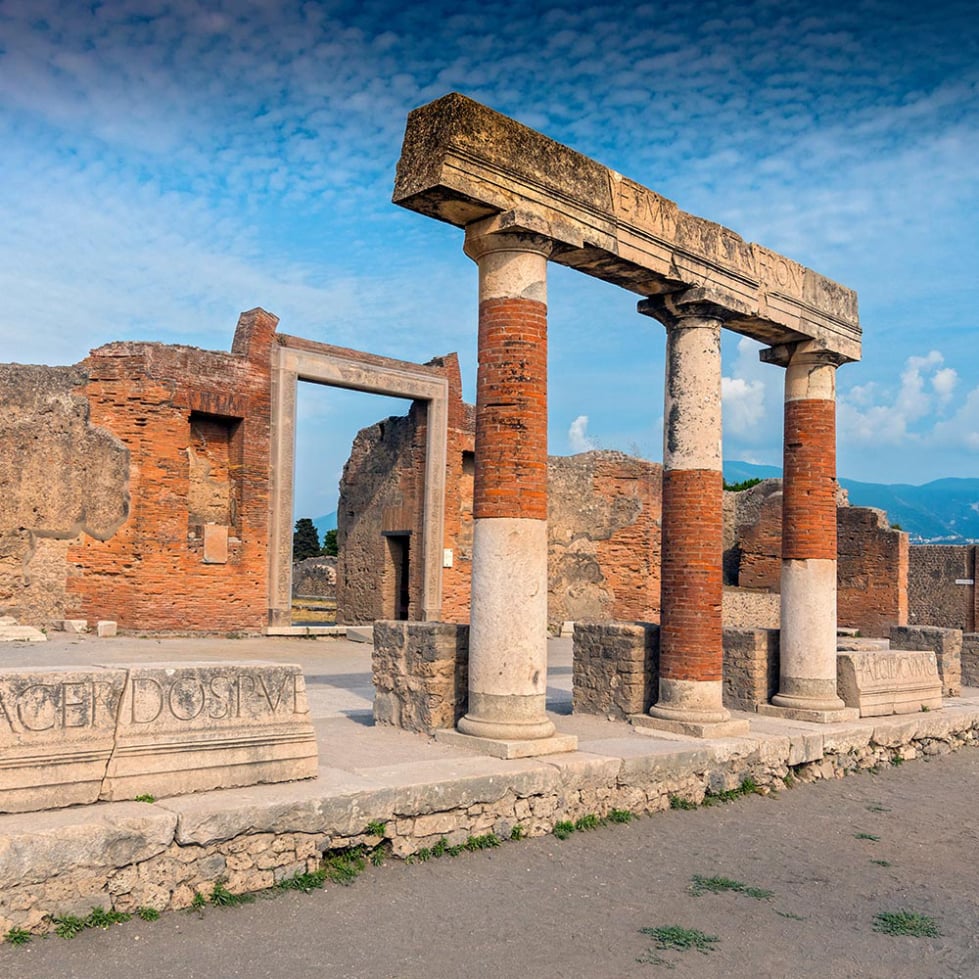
[167, 164]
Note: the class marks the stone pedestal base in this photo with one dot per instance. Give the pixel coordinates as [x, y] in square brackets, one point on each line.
[733, 728]
[807, 714]
[499, 748]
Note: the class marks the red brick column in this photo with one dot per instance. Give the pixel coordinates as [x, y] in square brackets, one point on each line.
[807, 673]
[691, 633]
[508, 628]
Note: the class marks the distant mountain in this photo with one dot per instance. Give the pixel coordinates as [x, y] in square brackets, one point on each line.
[325, 523]
[944, 511]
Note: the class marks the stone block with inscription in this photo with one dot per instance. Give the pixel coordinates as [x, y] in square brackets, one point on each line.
[57, 730]
[889, 681]
[946, 645]
[201, 726]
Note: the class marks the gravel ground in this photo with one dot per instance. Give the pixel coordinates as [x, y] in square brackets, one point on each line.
[833, 855]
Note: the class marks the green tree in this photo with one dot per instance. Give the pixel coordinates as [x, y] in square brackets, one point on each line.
[330, 548]
[305, 541]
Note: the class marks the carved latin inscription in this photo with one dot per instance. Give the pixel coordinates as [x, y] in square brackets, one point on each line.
[889, 681]
[74, 736]
[643, 208]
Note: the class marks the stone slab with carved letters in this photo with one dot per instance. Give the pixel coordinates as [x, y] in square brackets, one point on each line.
[57, 731]
[195, 727]
[75, 736]
[889, 681]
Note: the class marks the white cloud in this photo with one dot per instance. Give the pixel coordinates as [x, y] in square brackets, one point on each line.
[578, 436]
[743, 404]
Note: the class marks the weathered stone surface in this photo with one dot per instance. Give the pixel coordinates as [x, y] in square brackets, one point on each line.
[750, 667]
[43, 845]
[615, 668]
[421, 674]
[202, 726]
[57, 730]
[21, 633]
[603, 524]
[970, 659]
[942, 586]
[462, 161]
[889, 682]
[946, 645]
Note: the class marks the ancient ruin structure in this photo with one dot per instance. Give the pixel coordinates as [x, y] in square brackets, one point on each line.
[524, 200]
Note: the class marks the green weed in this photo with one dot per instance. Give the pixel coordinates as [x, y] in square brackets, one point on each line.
[866, 836]
[716, 885]
[589, 821]
[145, 797]
[621, 816]
[344, 867]
[677, 802]
[17, 936]
[100, 918]
[223, 898]
[676, 938]
[906, 923]
[881, 863]
[68, 925]
[877, 807]
[563, 829]
[148, 914]
[518, 833]
[375, 828]
[747, 787]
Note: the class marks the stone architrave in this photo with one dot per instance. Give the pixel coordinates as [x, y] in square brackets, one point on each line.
[201, 726]
[889, 682]
[57, 729]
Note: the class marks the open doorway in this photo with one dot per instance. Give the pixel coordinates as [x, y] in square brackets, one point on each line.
[322, 364]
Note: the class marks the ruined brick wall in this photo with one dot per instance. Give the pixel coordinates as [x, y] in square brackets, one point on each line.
[193, 551]
[60, 476]
[757, 536]
[379, 518]
[872, 574]
[934, 598]
[382, 496]
[604, 536]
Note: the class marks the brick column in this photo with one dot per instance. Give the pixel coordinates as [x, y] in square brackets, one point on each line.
[508, 625]
[807, 670]
[691, 632]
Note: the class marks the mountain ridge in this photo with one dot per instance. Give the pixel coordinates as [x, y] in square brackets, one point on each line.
[943, 511]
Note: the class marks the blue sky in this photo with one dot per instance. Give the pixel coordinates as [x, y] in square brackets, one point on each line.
[166, 165]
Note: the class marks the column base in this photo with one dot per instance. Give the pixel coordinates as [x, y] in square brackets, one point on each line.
[508, 748]
[812, 714]
[649, 724]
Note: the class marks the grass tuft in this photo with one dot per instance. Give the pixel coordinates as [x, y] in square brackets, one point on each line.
[678, 802]
[621, 816]
[866, 836]
[563, 829]
[679, 939]
[906, 923]
[221, 897]
[148, 914]
[715, 885]
[17, 936]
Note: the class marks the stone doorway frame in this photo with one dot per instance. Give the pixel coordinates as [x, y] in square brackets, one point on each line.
[294, 360]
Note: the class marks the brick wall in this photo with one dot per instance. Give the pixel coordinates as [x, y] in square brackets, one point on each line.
[872, 575]
[196, 425]
[934, 598]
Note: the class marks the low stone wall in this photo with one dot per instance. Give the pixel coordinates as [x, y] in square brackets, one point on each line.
[421, 674]
[616, 667]
[128, 855]
[946, 644]
[970, 659]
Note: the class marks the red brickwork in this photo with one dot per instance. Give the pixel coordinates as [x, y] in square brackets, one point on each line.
[872, 592]
[809, 484]
[196, 424]
[691, 640]
[511, 410]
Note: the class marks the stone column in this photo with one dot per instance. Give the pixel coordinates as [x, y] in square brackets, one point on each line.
[508, 624]
[691, 632]
[807, 647]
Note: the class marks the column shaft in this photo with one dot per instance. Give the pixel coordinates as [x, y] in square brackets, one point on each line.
[808, 619]
[508, 621]
[691, 638]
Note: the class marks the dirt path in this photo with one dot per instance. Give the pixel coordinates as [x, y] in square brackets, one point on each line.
[544, 908]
